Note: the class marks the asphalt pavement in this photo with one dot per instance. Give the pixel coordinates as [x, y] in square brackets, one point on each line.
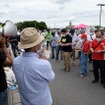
[69, 88]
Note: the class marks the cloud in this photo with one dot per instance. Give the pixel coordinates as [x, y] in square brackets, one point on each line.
[60, 1]
[60, 12]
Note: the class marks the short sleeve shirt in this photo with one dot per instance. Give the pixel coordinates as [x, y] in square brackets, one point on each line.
[101, 46]
[33, 75]
[48, 36]
[64, 40]
[54, 41]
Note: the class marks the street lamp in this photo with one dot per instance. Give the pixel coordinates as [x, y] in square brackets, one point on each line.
[100, 12]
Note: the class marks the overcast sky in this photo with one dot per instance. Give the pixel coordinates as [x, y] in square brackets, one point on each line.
[56, 13]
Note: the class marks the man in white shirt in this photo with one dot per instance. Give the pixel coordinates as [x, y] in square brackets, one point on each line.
[91, 37]
[74, 42]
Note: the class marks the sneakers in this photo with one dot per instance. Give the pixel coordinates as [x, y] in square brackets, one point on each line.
[67, 70]
[55, 61]
[63, 68]
[95, 81]
[81, 76]
[104, 86]
[91, 70]
[52, 57]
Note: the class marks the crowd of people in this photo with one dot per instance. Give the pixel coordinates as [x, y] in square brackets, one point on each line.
[32, 69]
[89, 48]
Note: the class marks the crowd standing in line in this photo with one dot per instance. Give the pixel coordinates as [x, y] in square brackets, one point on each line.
[90, 48]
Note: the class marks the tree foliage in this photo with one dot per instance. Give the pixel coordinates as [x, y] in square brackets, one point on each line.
[0, 23]
[38, 25]
[98, 27]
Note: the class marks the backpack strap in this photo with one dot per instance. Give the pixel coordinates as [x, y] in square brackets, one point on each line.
[97, 45]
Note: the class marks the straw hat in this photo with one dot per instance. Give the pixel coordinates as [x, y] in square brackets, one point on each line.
[29, 37]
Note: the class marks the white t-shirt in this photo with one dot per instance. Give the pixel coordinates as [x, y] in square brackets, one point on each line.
[74, 40]
[91, 37]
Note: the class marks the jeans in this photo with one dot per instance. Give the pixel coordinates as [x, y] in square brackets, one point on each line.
[56, 51]
[59, 50]
[83, 63]
[4, 98]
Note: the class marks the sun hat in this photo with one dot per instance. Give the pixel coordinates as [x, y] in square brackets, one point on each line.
[83, 36]
[29, 37]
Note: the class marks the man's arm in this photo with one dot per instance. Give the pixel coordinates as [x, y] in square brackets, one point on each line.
[67, 44]
[91, 48]
[8, 61]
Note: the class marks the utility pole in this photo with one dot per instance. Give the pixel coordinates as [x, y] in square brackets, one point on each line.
[100, 13]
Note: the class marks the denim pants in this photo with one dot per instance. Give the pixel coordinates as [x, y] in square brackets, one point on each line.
[56, 51]
[4, 98]
[83, 63]
[59, 50]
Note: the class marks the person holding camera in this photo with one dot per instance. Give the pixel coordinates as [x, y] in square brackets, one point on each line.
[5, 60]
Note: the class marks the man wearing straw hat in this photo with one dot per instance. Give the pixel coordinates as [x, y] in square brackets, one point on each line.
[33, 73]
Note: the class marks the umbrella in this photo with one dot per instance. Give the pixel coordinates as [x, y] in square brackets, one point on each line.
[81, 26]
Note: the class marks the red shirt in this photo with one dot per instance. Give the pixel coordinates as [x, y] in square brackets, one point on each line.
[85, 46]
[96, 55]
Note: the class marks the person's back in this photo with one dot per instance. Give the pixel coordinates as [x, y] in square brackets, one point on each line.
[33, 73]
[33, 78]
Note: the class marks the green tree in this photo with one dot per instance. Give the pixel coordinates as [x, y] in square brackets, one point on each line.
[38, 25]
[98, 27]
[41, 25]
[0, 24]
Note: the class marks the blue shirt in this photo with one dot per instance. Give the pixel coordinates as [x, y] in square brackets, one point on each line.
[54, 41]
[33, 75]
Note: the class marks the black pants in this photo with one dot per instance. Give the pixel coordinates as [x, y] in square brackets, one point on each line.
[48, 44]
[99, 65]
[90, 57]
